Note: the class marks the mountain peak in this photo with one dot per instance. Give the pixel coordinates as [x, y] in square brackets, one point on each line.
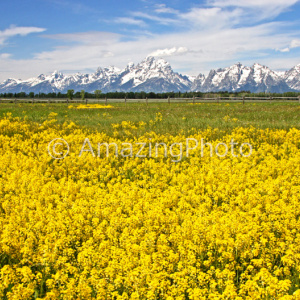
[297, 67]
[237, 68]
[238, 64]
[130, 65]
[149, 59]
[112, 69]
[292, 77]
[56, 74]
[259, 66]
[162, 62]
[41, 77]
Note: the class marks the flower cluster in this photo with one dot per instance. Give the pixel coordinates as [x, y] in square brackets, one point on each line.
[90, 106]
[117, 228]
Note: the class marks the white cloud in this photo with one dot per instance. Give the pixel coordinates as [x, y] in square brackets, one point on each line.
[263, 8]
[295, 44]
[14, 30]
[160, 20]
[169, 51]
[212, 18]
[5, 55]
[90, 37]
[284, 50]
[163, 9]
[253, 3]
[130, 21]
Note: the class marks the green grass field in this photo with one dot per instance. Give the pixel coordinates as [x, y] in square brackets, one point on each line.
[175, 117]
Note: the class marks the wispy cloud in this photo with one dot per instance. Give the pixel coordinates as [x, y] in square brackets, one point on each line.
[90, 37]
[284, 50]
[212, 18]
[163, 9]
[169, 51]
[74, 6]
[151, 17]
[265, 8]
[5, 55]
[130, 21]
[282, 4]
[294, 44]
[15, 30]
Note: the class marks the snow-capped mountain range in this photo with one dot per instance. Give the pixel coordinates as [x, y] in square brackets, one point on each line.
[156, 75]
[257, 78]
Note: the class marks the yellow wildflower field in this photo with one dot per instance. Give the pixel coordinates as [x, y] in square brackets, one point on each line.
[90, 106]
[114, 227]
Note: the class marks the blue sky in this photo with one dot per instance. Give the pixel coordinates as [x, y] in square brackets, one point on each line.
[194, 36]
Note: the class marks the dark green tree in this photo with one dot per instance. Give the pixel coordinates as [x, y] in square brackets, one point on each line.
[70, 94]
[82, 94]
[98, 94]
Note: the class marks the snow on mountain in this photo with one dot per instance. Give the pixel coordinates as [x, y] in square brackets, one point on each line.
[198, 82]
[292, 78]
[192, 78]
[228, 79]
[267, 80]
[149, 75]
[257, 78]
[281, 74]
[153, 75]
[156, 75]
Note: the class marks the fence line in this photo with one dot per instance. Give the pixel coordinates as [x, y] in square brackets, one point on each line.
[169, 100]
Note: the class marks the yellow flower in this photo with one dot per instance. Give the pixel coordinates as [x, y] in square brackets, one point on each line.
[107, 226]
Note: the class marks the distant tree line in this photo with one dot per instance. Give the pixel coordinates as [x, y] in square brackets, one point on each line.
[141, 95]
